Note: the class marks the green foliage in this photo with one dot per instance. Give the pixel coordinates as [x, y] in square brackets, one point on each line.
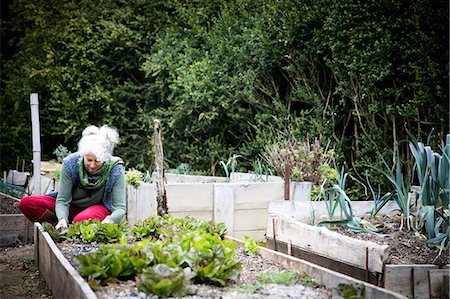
[61, 152]
[433, 173]
[250, 246]
[134, 177]
[400, 185]
[171, 254]
[231, 165]
[307, 162]
[336, 196]
[261, 171]
[183, 168]
[225, 77]
[56, 235]
[164, 281]
[286, 277]
[168, 227]
[57, 174]
[282, 277]
[349, 291]
[94, 231]
[114, 262]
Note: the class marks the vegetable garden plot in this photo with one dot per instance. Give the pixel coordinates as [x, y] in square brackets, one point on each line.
[168, 256]
[200, 261]
[363, 259]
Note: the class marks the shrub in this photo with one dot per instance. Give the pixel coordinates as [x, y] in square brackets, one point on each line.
[308, 162]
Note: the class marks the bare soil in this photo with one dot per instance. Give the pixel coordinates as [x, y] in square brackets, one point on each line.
[405, 246]
[19, 275]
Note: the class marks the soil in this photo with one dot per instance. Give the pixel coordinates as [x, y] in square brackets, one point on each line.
[9, 205]
[406, 247]
[20, 278]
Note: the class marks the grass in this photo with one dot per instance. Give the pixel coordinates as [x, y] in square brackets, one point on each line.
[278, 277]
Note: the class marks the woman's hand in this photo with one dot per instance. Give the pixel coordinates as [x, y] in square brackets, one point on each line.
[107, 220]
[61, 224]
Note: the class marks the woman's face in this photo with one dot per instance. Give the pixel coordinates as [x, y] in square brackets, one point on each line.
[91, 162]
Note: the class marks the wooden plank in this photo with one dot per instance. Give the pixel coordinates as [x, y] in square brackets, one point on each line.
[62, 278]
[292, 250]
[15, 229]
[323, 276]
[224, 205]
[173, 178]
[256, 235]
[202, 215]
[146, 201]
[9, 196]
[131, 213]
[12, 222]
[190, 197]
[332, 245]
[257, 195]
[410, 279]
[439, 283]
[255, 219]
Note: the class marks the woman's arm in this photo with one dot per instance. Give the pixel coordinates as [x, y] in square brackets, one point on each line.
[118, 200]
[64, 197]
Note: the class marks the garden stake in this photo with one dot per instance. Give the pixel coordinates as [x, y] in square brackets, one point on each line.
[412, 282]
[26, 231]
[274, 235]
[367, 264]
[287, 180]
[289, 247]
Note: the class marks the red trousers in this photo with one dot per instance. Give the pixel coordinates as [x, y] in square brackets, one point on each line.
[35, 206]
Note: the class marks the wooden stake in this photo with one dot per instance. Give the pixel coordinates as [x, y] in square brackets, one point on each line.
[287, 181]
[161, 197]
[274, 235]
[367, 264]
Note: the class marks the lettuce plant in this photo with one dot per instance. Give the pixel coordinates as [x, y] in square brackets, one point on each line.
[171, 254]
[95, 231]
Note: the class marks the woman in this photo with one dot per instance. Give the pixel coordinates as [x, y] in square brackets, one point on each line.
[92, 184]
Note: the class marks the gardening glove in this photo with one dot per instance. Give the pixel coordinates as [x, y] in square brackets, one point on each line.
[61, 224]
[107, 220]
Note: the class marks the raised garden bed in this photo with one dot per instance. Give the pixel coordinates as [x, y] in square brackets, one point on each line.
[242, 206]
[15, 228]
[65, 281]
[379, 263]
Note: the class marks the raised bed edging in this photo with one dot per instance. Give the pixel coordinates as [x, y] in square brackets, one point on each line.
[15, 229]
[331, 250]
[65, 281]
[61, 276]
[242, 207]
[322, 275]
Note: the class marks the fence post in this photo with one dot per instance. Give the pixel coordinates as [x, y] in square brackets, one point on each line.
[34, 102]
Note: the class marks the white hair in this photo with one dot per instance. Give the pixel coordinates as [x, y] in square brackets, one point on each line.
[98, 141]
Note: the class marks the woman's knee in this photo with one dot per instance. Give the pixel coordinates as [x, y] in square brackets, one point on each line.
[26, 203]
[94, 212]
